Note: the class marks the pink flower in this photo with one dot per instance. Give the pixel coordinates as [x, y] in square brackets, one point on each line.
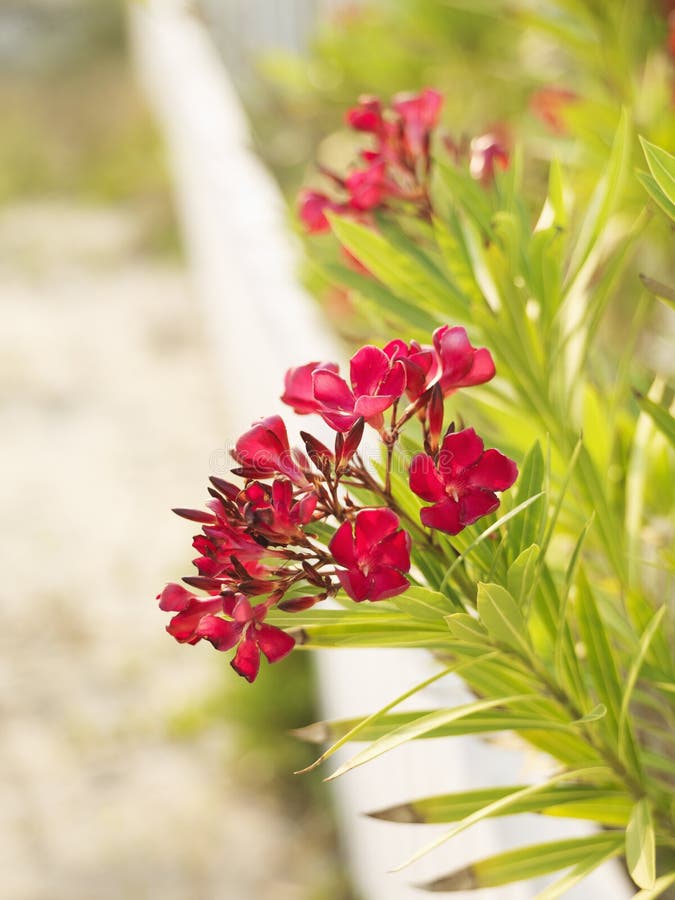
[419, 114]
[366, 116]
[460, 364]
[376, 383]
[299, 390]
[312, 208]
[196, 619]
[263, 451]
[488, 153]
[461, 484]
[375, 552]
[369, 187]
[420, 364]
[273, 512]
[190, 611]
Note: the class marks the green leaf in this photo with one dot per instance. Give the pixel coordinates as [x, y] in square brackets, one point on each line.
[526, 529]
[524, 863]
[661, 417]
[662, 166]
[599, 656]
[419, 728]
[502, 617]
[500, 806]
[660, 885]
[605, 197]
[656, 194]
[507, 517]
[560, 800]
[587, 864]
[521, 576]
[422, 603]
[641, 846]
[401, 271]
[636, 665]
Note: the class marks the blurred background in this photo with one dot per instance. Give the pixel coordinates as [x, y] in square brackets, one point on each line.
[131, 767]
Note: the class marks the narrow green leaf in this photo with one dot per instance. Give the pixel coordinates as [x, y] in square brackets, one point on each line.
[634, 671]
[662, 166]
[501, 806]
[561, 800]
[424, 604]
[422, 726]
[641, 846]
[500, 614]
[661, 417]
[588, 863]
[526, 529]
[464, 627]
[511, 514]
[599, 656]
[524, 863]
[522, 577]
[605, 197]
[656, 194]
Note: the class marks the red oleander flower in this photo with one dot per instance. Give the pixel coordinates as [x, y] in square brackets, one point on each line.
[274, 513]
[299, 390]
[419, 115]
[196, 620]
[263, 451]
[190, 611]
[420, 364]
[312, 208]
[461, 485]
[369, 187]
[460, 364]
[375, 552]
[376, 383]
[366, 116]
[488, 152]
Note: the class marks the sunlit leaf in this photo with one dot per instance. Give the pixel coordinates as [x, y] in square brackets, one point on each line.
[641, 846]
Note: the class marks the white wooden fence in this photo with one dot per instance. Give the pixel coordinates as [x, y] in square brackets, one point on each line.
[261, 322]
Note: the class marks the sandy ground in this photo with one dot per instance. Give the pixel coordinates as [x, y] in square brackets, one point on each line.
[108, 417]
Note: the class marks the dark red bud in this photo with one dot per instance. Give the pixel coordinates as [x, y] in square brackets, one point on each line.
[298, 604]
[352, 441]
[202, 583]
[196, 515]
[435, 417]
[226, 488]
[320, 455]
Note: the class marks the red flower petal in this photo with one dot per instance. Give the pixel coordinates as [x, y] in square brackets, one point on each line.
[371, 527]
[444, 516]
[247, 659]
[274, 642]
[476, 503]
[174, 598]
[367, 368]
[385, 583]
[425, 480]
[369, 407]
[455, 354]
[221, 633]
[342, 546]
[482, 369]
[394, 551]
[299, 389]
[355, 584]
[331, 390]
[459, 450]
[493, 471]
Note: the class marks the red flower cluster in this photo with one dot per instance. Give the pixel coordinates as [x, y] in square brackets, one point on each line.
[379, 378]
[259, 539]
[396, 166]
